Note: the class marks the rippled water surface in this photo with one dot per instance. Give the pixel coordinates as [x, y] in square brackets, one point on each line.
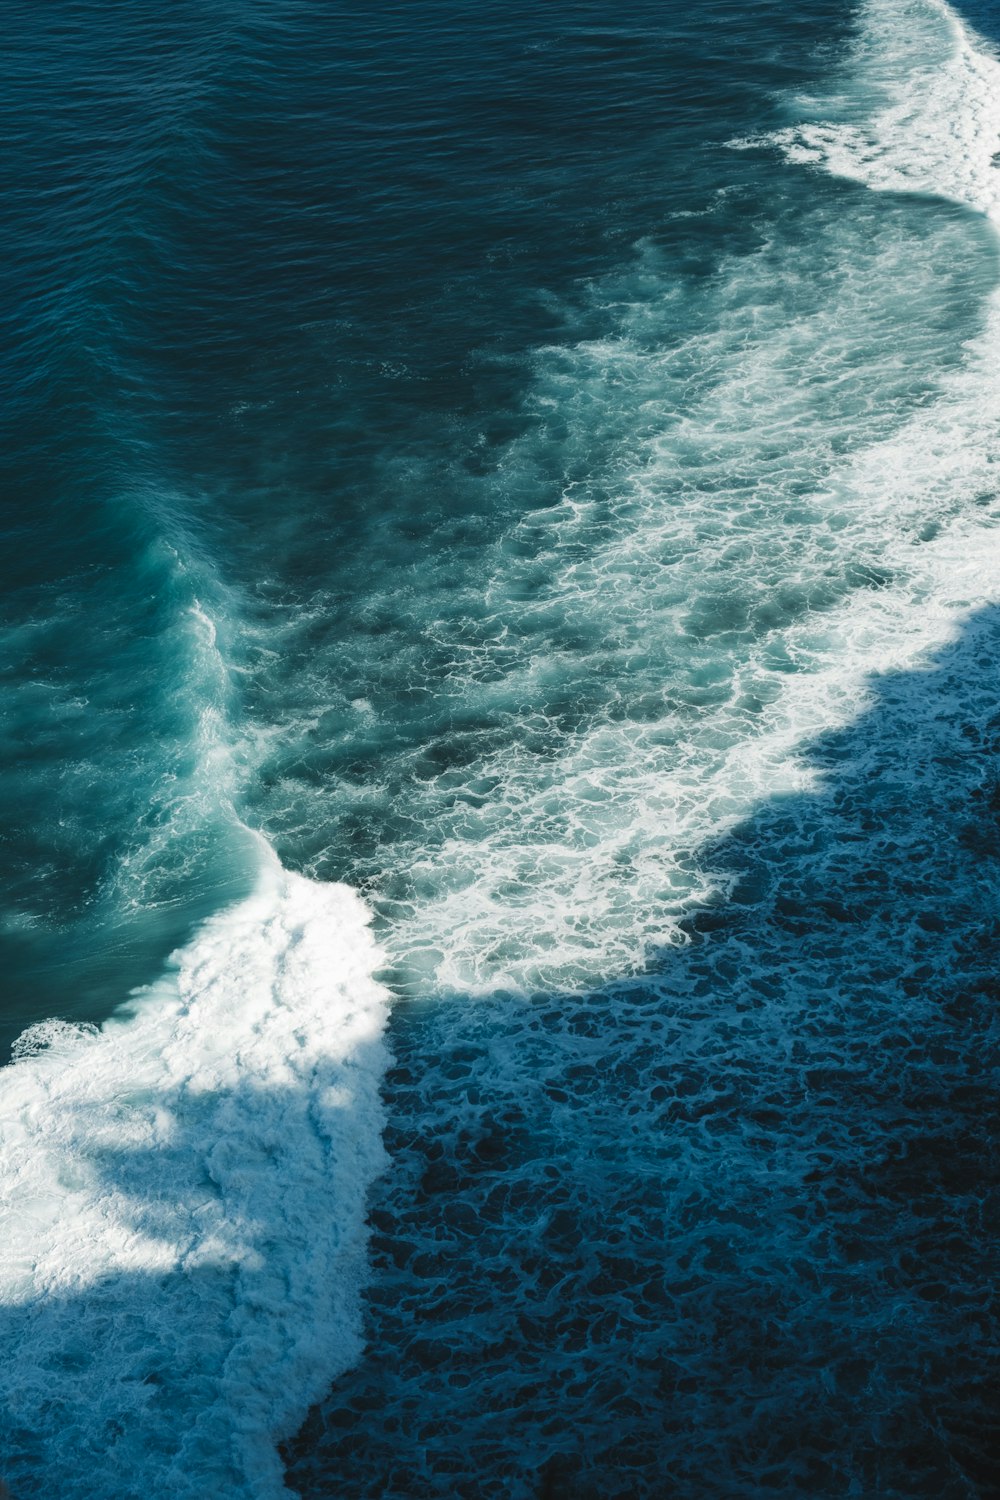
[499, 757]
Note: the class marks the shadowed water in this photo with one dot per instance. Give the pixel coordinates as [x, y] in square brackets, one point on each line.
[731, 1228]
[538, 468]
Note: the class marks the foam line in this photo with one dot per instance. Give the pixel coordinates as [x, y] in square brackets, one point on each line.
[183, 1205]
[599, 844]
[935, 127]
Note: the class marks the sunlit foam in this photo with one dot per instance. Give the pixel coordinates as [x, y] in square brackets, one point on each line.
[183, 1199]
[744, 492]
[935, 124]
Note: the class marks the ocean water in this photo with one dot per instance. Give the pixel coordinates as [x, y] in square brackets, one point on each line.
[500, 782]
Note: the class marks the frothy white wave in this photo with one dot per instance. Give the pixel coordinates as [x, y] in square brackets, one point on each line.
[935, 124]
[615, 823]
[183, 1208]
[818, 421]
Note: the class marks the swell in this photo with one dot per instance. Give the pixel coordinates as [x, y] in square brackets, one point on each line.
[183, 1188]
[183, 1185]
[120, 767]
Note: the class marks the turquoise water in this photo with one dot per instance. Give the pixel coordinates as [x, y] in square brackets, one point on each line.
[500, 625]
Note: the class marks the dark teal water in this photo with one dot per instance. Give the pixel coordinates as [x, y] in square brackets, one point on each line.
[276, 281]
[535, 467]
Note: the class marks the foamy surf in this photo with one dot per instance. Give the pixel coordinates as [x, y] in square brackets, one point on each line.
[918, 111]
[583, 866]
[183, 1202]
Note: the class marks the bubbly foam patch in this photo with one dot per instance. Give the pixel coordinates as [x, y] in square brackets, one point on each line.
[746, 498]
[727, 1230]
[183, 1197]
[919, 111]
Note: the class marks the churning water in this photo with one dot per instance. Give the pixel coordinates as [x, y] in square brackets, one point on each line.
[520, 480]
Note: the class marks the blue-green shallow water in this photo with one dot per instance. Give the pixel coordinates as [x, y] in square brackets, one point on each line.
[275, 279]
[536, 467]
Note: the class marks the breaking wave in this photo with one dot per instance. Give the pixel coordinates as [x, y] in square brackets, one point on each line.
[184, 1207]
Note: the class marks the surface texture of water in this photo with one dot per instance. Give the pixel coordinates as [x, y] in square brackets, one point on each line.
[532, 469]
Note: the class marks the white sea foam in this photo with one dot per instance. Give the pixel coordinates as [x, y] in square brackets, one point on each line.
[753, 517]
[183, 1196]
[185, 1188]
[623, 866]
[935, 127]
[920, 503]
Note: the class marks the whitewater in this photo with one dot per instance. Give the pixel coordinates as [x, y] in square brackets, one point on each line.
[183, 1198]
[184, 1207]
[782, 524]
[755, 519]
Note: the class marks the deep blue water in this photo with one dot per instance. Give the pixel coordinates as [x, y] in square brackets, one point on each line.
[532, 467]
